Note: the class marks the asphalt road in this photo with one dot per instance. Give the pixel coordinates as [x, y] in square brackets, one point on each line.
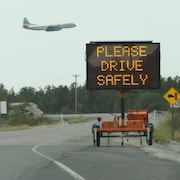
[67, 152]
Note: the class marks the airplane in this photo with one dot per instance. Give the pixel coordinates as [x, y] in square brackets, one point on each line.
[55, 27]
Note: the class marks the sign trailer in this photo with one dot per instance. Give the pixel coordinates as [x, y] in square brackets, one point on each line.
[123, 66]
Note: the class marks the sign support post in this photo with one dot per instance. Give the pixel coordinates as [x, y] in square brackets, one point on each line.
[122, 108]
[172, 113]
[172, 96]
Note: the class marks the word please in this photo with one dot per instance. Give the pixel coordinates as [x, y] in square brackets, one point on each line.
[121, 51]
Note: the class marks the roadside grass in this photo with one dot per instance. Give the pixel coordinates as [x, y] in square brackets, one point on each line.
[14, 128]
[27, 126]
[163, 131]
[177, 134]
[78, 120]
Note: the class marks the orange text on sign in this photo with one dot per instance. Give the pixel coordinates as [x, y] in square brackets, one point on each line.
[121, 51]
[122, 65]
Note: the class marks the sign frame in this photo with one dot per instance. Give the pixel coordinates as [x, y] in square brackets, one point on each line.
[137, 68]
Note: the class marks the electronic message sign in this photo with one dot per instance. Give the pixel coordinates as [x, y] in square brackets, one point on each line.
[123, 65]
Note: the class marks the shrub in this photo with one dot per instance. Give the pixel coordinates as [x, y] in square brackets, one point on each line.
[163, 132]
[17, 117]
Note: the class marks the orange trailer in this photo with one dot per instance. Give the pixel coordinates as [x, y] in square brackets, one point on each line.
[136, 122]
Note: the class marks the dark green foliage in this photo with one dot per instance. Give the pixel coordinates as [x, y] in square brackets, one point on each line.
[176, 121]
[19, 116]
[61, 99]
[163, 131]
[3, 93]
[149, 100]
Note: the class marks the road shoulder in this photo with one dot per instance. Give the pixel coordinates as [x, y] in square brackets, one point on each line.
[169, 151]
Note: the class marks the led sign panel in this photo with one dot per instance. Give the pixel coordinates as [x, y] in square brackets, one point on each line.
[123, 65]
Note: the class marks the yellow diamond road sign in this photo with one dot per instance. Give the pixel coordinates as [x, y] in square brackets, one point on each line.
[172, 96]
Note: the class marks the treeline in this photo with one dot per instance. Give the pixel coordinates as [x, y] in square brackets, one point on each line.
[61, 99]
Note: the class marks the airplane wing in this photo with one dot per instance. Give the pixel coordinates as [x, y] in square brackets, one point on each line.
[53, 28]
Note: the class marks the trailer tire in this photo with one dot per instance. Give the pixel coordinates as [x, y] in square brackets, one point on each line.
[149, 134]
[98, 138]
[94, 140]
[150, 142]
[151, 126]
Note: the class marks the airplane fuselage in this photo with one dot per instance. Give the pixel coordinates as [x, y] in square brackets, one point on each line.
[56, 27]
[35, 27]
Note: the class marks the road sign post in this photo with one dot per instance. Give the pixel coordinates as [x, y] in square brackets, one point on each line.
[172, 97]
[172, 115]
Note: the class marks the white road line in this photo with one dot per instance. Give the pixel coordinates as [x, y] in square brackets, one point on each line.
[59, 164]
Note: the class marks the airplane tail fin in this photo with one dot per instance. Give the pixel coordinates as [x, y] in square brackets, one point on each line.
[26, 22]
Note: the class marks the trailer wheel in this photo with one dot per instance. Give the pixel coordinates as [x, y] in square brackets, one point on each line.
[94, 139]
[150, 141]
[122, 143]
[94, 131]
[150, 130]
[98, 138]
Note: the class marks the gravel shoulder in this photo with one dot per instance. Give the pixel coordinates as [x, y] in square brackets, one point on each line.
[169, 151]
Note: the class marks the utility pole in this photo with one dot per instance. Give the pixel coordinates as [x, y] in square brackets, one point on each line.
[75, 103]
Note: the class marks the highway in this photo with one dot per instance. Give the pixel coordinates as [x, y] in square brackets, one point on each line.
[67, 152]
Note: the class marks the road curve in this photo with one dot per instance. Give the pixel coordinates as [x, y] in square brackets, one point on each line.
[67, 152]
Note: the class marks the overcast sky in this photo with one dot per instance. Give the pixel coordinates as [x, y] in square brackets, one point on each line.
[39, 58]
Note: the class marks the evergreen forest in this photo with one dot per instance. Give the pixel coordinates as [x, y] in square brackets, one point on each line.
[61, 99]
